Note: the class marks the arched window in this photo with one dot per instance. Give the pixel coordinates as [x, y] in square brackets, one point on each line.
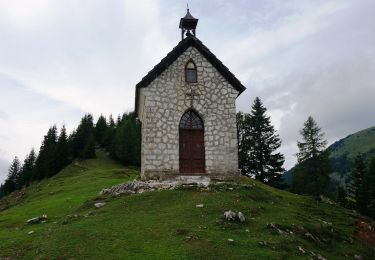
[190, 72]
[191, 120]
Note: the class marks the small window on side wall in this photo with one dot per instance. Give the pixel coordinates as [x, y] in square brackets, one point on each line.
[190, 72]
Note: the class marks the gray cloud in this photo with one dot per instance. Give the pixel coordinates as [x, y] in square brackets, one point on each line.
[327, 73]
[3, 115]
[3, 169]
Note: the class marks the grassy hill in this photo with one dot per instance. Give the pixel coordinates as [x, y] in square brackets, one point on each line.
[360, 142]
[168, 225]
[343, 152]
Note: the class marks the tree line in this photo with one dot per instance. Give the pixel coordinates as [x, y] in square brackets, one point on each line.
[121, 139]
[258, 143]
[258, 158]
[359, 191]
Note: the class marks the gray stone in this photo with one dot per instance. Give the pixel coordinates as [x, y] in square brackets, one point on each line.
[300, 248]
[230, 215]
[36, 220]
[241, 217]
[99, 204]
[134, 187]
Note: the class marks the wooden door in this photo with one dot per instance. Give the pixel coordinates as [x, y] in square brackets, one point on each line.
[191, 134]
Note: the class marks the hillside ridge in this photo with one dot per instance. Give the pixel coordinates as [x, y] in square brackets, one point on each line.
[168, 224]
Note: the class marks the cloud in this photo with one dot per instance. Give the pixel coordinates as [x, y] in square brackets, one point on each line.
[3, 115]
[29, 115]
[325, 71]
[86, 50]
[24, 14]
[4, 165]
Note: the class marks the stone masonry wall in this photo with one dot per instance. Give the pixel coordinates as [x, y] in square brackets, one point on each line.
[166, 100]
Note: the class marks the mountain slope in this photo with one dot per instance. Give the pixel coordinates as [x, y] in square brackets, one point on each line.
[343, 152]
[167, 224]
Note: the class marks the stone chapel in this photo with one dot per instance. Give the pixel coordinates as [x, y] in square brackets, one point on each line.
[187, 108]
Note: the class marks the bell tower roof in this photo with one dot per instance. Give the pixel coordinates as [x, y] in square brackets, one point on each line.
[188, 24]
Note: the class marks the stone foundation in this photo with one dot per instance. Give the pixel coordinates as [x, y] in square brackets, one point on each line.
[163, 176]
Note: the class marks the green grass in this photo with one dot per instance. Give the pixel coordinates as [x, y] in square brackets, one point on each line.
[166, 224]
[360, 142]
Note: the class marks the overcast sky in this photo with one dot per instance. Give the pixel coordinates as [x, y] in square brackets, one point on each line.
[62, 59]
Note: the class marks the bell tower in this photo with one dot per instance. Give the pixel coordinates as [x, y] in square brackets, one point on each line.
[188, 24]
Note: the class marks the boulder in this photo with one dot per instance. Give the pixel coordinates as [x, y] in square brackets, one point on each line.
[241, 217]
[36, 220]
[230, 215]
[99, 204]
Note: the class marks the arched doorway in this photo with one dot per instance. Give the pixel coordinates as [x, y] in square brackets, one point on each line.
[191, 133]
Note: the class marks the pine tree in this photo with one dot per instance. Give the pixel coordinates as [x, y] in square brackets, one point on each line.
[82, 136]
[342, 196]
[311, 174]
[10, 183]
[111, 121]
[118, 121]
[369, 189]
[109, 136]
[62, 156]
[100, 130]
[355, 180]
[259, 143]
[27, 168]
[45, 164]
[127, 141]
[366, 191]
[312, 144]
[89, 149]
[243, 136]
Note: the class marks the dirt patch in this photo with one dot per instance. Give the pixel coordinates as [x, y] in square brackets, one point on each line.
[366, 232]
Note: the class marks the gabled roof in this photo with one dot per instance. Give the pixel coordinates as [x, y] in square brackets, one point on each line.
[189, 41]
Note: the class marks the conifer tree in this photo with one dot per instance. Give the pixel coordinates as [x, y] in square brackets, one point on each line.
[89, 149]
[243, 137]
[62, 156]
[100, 130]
[258, 146]
[82, 136]
[342, 196]
[27, 168]
[118, 121]
[367, 191]
[127, 142]
[10, 183]
[311, 174]
[356, 180]
[312, 144]
[109, 136]
[364, 177]
[45, 164]
[111, 122]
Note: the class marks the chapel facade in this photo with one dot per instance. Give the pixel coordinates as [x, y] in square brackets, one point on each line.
[186, 105]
